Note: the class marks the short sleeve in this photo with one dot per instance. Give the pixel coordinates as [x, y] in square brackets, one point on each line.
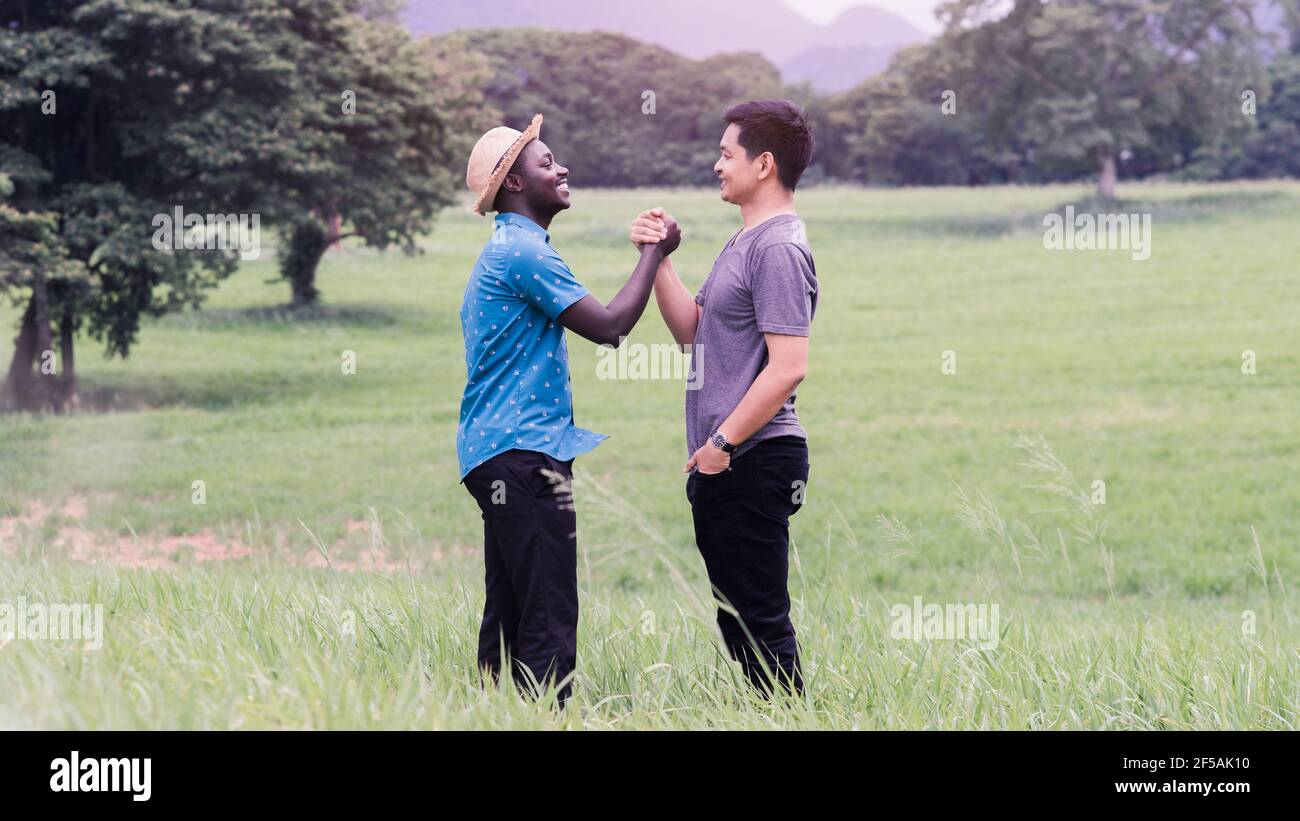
[783, 291]
[544, 280]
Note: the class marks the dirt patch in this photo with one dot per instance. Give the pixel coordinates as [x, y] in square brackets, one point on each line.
[53, 530]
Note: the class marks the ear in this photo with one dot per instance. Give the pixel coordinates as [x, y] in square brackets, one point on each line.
[766, 165]
[513, 183]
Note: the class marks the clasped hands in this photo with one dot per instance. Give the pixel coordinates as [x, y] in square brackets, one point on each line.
[654, 226]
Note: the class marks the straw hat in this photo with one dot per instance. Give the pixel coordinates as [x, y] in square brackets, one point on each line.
[493, 157]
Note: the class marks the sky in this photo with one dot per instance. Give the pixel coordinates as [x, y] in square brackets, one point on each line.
[919, 13]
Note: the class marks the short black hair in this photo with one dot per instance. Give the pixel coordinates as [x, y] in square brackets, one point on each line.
[778, 126]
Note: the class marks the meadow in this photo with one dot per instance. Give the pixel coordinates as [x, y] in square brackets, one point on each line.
[1097, 464]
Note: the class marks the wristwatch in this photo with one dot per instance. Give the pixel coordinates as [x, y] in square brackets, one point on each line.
[719, 440]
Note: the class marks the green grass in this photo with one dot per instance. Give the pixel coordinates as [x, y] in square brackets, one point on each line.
[1123, 615]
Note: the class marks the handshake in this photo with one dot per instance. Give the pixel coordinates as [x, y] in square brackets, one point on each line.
[655, 227]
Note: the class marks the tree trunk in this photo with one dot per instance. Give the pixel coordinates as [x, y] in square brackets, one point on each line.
[307, 243]
[46, 391]
[1107, 172]
[304, 288]
[44, 339]
[17, 389]
[68, 383]
[336, 231]
[26, 386]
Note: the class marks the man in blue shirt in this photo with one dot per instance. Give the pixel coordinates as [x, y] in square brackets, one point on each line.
[517, 438]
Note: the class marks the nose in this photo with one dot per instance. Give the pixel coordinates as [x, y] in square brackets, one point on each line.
[717, 168]
[564, 171]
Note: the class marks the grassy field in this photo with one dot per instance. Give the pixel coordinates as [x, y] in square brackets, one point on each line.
[332, 578]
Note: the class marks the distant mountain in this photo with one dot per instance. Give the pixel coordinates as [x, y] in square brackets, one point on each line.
[869, 26]
[832, 69]
[698, 28]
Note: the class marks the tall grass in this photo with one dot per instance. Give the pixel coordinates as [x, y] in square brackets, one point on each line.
[358, 602]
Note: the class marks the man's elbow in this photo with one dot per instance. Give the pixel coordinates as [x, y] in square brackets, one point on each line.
[614, 338]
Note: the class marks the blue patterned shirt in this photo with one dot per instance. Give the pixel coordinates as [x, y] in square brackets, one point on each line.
[517, 393]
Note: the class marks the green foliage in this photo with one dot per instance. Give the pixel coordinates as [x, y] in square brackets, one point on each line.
[29, 244]
[117, 110]
[1052, 90]
[1042, 92]
[371, 148]
[382, 168]
[108, 122]
[590, 87]
[1272, 149]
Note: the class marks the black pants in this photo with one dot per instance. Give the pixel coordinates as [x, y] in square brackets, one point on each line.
[742, 529]
[530, 552]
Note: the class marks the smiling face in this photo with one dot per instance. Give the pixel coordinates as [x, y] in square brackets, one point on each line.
[739, 173]
[537, 179]
[733, 166]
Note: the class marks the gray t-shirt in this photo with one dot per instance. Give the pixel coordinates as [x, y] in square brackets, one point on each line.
[763, 281]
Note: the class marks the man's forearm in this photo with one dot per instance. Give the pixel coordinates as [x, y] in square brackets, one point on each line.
[609, 324]
[761, 402]
[629, 303]
[676, 304]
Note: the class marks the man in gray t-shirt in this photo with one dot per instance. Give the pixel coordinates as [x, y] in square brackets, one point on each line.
[748, 328]
[763, 282]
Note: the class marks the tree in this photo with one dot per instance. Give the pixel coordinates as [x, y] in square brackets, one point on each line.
[914, 125]
[378, 159]
[1090, 80]
[619, 112]
[107, 122]
[116, 112]
[1272, 148]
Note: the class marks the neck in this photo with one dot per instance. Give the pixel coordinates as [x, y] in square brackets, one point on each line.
[524, 210]
[767, 203]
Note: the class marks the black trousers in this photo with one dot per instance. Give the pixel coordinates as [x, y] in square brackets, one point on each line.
[742, 529]
[530, 553]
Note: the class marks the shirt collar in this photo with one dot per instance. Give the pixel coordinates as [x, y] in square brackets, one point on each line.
[511, 218]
